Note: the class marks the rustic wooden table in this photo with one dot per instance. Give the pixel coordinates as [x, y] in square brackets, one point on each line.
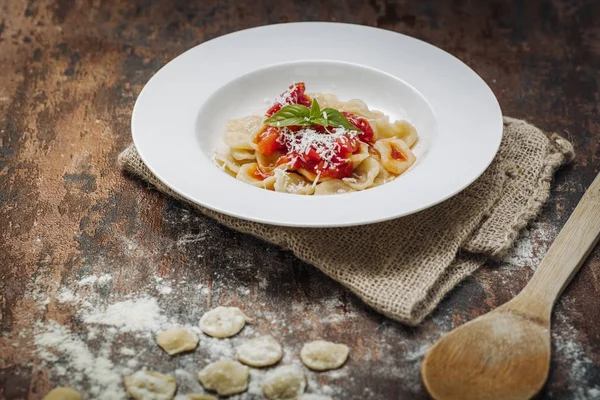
[78, 235]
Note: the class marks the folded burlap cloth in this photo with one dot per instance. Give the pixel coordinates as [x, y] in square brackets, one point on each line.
[404, 267]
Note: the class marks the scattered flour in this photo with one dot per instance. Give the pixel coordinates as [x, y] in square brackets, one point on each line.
[417, 354]
[92, 279]
[103, 279]
[165, 289]
[188, 380]
[66, 296]
[593, 393]
[87, 281]
[332, 310]
[190, 238]
[142, 314]
[568, 347]
[126, 351]
[572, 351]
[244, 291]
[217, 348]
[256, 378]
[104, 378]
[531, 246]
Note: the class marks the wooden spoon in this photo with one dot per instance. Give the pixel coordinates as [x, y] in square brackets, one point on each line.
[505, 354]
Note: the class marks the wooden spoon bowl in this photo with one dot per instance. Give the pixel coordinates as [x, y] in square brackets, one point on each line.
[501, 352]
[505, 354]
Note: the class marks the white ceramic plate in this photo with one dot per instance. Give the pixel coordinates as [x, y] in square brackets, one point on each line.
[179, 117]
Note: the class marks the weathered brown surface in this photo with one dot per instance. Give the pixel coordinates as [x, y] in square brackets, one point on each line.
[71, 71]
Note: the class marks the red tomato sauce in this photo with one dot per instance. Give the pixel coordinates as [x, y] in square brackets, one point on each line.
[294, 95]
[271, 140]
[397, 154]
[256, 173]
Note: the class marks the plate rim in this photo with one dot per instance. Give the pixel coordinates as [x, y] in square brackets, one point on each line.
[325, 224]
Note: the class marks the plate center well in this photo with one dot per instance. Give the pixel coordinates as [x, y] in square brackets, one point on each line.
[254, 93]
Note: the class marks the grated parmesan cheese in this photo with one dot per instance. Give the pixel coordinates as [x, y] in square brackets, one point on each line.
[327, 145]
[285, 97]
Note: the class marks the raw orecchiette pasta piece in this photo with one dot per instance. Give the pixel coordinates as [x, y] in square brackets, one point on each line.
[310, 396]
[260, 352]
[250, 173]
[223, 322]
[334, 186]
[322, 355]
[396, 156]
[287, 382]
[360, 156]
[194, 396]
[62, 393]
[201, 397]
[242, 154]
[290, 182]
[150, 385]
[364, 175]
[401, 129]
[226, 377]
[240, 132]
[177, 340]
[227, 163]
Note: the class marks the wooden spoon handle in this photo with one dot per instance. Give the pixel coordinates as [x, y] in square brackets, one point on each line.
[569, 250]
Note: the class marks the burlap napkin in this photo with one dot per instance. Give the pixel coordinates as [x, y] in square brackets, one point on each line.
[403, 268]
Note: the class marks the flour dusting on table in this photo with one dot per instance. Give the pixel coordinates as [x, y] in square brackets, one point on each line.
[73, 360]
[111, 336]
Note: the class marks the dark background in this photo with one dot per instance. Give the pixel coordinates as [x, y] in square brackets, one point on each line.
[70, 73]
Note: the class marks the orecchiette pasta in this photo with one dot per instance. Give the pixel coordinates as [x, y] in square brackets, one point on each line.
[363, 175]
[359, 157]
[360, 108]
[223, 322]
[240, 132]
[396, 156]
[400, 129]
[177, 340]
[311, 176]
[150, 385]
[327, 100]
[317, 145]
[322, 355]
[243, 154]
[226, 377]
[62, 393]
[267, 163]
[333, 186]
[227, 163]
[290, 182]
[384, 176]
[251, 174]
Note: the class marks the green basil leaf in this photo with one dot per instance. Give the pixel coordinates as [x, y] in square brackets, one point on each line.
[291, 111]
[293, 121]
[321, 121]
[336, 118]
[315, 110]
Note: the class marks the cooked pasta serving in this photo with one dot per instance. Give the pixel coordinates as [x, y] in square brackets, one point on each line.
[316, 145]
